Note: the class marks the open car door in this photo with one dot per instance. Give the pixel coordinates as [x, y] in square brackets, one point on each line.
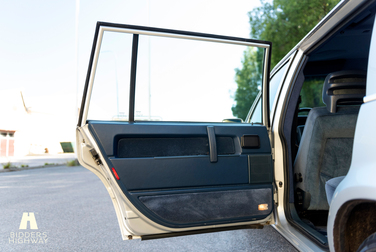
[151, 128]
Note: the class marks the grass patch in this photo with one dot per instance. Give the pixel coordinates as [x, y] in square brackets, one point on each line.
[73, 163]
[24, 166]
[49, 164]
[7, 165]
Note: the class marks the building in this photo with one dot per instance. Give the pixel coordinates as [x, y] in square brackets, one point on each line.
[35, 125]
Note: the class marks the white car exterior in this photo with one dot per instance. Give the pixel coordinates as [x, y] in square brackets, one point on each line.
[359, 184]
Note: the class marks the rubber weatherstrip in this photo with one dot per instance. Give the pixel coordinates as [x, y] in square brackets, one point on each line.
[88, 75]
[132, 88]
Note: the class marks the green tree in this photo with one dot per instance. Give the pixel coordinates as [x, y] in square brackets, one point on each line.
[249, 82]
[284, 23]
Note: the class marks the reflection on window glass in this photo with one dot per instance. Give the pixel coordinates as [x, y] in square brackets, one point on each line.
[257, 113]
[186, 80]
[274, 84]
[110, 95]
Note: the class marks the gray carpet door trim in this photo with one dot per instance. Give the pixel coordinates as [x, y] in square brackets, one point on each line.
[209, 206]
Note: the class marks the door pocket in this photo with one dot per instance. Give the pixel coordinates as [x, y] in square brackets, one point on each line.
[139, 147]
[210, 206]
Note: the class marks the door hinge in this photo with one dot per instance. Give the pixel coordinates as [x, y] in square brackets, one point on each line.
[95, 156]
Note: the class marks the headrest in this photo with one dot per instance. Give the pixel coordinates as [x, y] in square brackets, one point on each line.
[344, 88]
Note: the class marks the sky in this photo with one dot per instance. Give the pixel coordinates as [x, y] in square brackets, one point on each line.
[45, 45]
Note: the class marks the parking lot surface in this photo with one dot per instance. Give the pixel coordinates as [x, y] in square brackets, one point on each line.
[73, 212]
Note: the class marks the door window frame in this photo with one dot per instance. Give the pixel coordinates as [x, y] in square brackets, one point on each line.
[140, 30]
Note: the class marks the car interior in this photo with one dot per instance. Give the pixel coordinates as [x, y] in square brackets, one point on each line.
[320, 121]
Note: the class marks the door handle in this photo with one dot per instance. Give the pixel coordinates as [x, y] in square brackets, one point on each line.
[212, 144]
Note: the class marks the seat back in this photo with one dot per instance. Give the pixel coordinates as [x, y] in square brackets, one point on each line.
[326, 145]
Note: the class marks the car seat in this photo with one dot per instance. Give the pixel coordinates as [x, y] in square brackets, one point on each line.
[326, 145]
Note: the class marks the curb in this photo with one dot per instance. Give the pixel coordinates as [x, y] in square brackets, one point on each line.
[11, 169]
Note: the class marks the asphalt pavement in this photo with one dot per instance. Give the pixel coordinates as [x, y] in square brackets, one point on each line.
[73, 212]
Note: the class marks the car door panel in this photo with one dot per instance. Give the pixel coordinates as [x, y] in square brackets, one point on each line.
[170, 178]
[183, 187]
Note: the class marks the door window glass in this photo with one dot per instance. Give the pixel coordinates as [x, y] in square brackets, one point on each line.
[110, 94]
[186, 80]
[257, 113]
[178, 78]
[275, 83]
[311, 93]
